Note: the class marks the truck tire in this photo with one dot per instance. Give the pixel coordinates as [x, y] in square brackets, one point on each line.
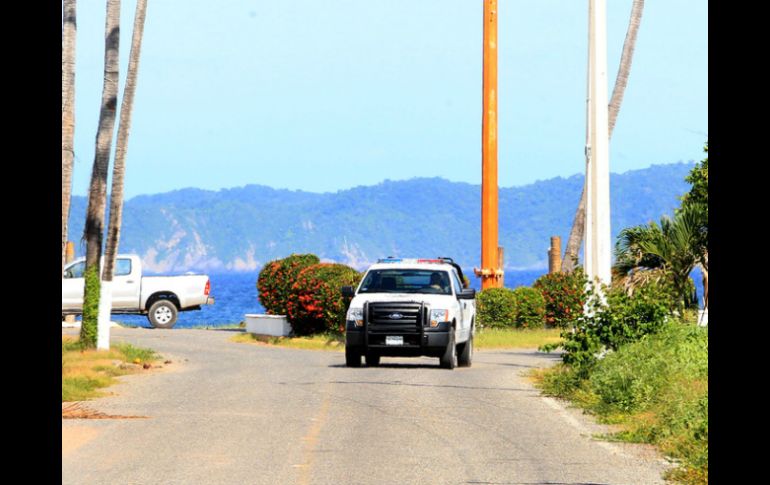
[465, 352]
[163, 314]
[352, 357]
[449, 359]
[372, 359]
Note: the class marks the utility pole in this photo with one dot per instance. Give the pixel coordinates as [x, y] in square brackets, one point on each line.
[491, 271]
[598, 249]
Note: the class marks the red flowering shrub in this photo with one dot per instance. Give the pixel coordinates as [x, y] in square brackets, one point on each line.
[275, 280]
[315, 302]
[564, 296]
[530, 307]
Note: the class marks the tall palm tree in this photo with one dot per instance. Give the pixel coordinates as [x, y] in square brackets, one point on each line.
[118, 169]
[579, 222]
[672, 247]
[97, 193]
[69, 32]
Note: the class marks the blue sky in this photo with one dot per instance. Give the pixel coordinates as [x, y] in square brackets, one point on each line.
[328, 95]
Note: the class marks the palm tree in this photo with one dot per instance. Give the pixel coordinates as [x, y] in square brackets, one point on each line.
[118, 169]
[673, 248]
[97, 193]
[69, 32]
[578, 224]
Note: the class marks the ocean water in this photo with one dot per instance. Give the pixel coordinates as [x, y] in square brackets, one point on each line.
[235, 295]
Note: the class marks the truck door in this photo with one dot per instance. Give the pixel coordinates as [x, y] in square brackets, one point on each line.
[72, 287]
[464, 308]
[125, 285]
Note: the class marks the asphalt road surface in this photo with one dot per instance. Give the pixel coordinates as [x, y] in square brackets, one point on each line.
[231, 413]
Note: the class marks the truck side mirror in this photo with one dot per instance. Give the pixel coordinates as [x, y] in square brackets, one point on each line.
[466, 294]
[347, 291]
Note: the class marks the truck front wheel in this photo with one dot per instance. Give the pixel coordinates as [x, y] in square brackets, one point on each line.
[465, 352]
[163, 314]
[352, 357]
[449, 359]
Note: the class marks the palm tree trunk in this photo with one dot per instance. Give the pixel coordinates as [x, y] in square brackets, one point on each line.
[704, 266]
[119, 170]
[578, 225]
[97, 193]
[69, 32]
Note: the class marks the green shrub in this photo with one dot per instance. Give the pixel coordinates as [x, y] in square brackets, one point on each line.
[633, 377]
[496, 308]
[529, 307]
[622, 319]
[522, 307]
[564, 295]
[315, 302]
[656, 386]
[277, 277]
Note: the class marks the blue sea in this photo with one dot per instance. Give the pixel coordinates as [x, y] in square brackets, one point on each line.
[235, 295]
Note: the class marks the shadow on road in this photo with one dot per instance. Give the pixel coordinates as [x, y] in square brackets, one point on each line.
[392, 366]
[414, 384]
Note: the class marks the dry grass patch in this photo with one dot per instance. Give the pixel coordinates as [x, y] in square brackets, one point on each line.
[484, 339]
[331, 342]
[512, 338]
[84, 372]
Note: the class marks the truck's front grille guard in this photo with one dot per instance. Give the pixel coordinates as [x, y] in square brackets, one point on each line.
[422, 317]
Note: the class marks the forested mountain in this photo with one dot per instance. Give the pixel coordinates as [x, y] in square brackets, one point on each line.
[242, 228]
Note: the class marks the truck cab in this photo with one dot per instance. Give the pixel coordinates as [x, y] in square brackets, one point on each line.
[410, 308]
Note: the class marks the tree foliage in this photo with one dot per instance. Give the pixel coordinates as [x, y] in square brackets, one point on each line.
[315, 302]
[674, 247]
[564, 296]
[276, 278]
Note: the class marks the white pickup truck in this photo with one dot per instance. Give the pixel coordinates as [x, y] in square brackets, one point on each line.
[408, 308]
[161, 298]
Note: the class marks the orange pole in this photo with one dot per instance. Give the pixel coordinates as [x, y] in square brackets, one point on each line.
[490, 277]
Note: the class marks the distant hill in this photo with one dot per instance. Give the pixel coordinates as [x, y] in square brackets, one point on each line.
[240, 229]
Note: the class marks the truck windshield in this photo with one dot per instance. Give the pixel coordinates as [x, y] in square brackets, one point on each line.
[406, 281]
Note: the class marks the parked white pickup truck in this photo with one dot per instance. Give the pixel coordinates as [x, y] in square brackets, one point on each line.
[161, 298]
[408, 308]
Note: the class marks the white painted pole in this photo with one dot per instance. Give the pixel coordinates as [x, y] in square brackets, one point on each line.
[103, 320]
[598, 196]
[588, 243]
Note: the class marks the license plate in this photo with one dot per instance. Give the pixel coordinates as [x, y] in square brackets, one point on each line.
[393, 340]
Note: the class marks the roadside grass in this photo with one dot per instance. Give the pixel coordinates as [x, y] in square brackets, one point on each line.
[484, 339]
[514, 338]
[332, 342]
[656, 389]
[85, 372]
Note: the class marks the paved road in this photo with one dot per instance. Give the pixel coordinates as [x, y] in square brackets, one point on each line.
[228, 413]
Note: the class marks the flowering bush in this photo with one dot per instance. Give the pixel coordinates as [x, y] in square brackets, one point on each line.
[609, 325]
[315, 302]
[275, 280]
[564, 296]
[530, 307]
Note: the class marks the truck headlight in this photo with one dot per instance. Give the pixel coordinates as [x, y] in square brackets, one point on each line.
[437, 316]
[356, 315]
